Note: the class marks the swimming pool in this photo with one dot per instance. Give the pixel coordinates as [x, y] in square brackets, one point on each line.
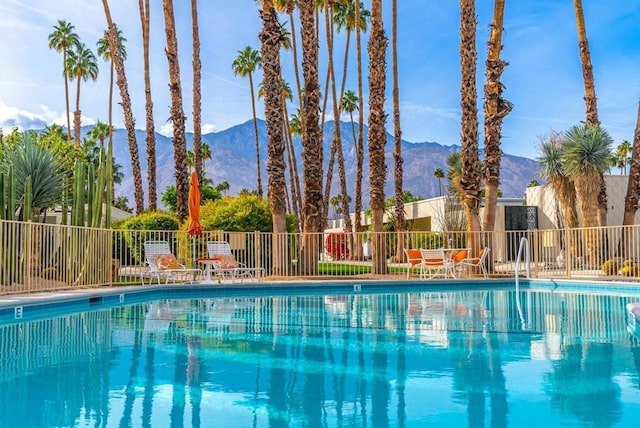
[460, 356]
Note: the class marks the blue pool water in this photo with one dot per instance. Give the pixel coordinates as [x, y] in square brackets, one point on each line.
[439, 358]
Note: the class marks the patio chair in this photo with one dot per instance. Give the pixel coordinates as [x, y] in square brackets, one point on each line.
[478, 262]
[222, 263]
[414, 260]
[435, 263]
[162, 263]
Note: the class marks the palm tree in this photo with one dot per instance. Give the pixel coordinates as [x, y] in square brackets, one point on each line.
[311, 142]
[148, 107]
[105, 52]
[550, 162]
[197, 97]
[590, 98]
[633, 187]
[358, 253]
[62, 38]
[377, 136]
[439, 174]
[81, 65]
[585, 157]
[206, 155]
[337, 139]
[496, 109]
[471, 174]
[622, 153]
[270, 39]
[345, 16]
[100, 132]
[129, 122]
[401, 224]
[177, 113]
[245, 64]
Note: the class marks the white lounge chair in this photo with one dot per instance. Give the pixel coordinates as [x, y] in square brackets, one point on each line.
[162, 263]
[414, 260]
[222, 263]
[478, 262]
[435, 262]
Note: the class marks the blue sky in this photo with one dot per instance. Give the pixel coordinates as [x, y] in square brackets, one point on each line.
[543, 80]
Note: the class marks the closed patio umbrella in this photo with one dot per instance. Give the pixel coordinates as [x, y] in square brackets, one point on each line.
[195, 228]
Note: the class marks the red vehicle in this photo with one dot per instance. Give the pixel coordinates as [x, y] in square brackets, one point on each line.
[337, 246]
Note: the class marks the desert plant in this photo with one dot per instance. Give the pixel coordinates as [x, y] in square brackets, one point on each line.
[630, 271]
[610, 267]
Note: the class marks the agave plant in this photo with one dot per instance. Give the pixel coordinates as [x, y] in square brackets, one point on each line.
[29, 159]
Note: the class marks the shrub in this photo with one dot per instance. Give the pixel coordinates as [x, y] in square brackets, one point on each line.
[631, 271]
[610, 267]
[628, 262]
[149, 221]
[426, 240]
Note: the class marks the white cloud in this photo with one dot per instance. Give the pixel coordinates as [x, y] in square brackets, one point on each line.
[11, 116]
[208, 128]
[166, 130]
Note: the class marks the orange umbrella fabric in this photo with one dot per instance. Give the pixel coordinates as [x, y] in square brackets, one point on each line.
[195, 228]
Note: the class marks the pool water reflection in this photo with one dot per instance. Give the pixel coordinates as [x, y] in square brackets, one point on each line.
[403, 359]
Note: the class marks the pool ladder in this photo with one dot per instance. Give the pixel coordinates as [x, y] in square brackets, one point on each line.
[524, 245]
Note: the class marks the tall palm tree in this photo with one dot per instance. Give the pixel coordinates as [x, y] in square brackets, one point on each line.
[496, 109]
[585, 157]
[590, 98]
[401, 224]
[311, 141]
[197, 97]
[633, 187]
[550, 162]
[270, 38]
[62, 38]
[100, 132]
[345, 16]
[177, 113]
[471, 173]
[622, 153]
[206, 155]
[245, 64]
[145, 19]
[349, 105]
[337, 138]
[129, 122]
[377, 136]
[439, 174]
[288, 6]
[358, 251]
[81, 65]
[105, 52]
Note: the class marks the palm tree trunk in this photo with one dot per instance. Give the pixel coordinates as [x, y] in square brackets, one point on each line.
[633, 187]
[255, 129]
[126, 108]
[197, 97]
[177, 113]
[377, 137]
[359, 146]
[470, 179]
[401, 224]
[496, 109]
[311, 143]
[111, 198]
[66, 90]
[76, 114]
[150, 127]
[291, 162]
[270, 38]
[590, 98]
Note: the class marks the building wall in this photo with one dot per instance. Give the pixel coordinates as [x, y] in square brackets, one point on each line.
[549, 209]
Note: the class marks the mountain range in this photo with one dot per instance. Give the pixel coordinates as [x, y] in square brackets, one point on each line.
[233, 160]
